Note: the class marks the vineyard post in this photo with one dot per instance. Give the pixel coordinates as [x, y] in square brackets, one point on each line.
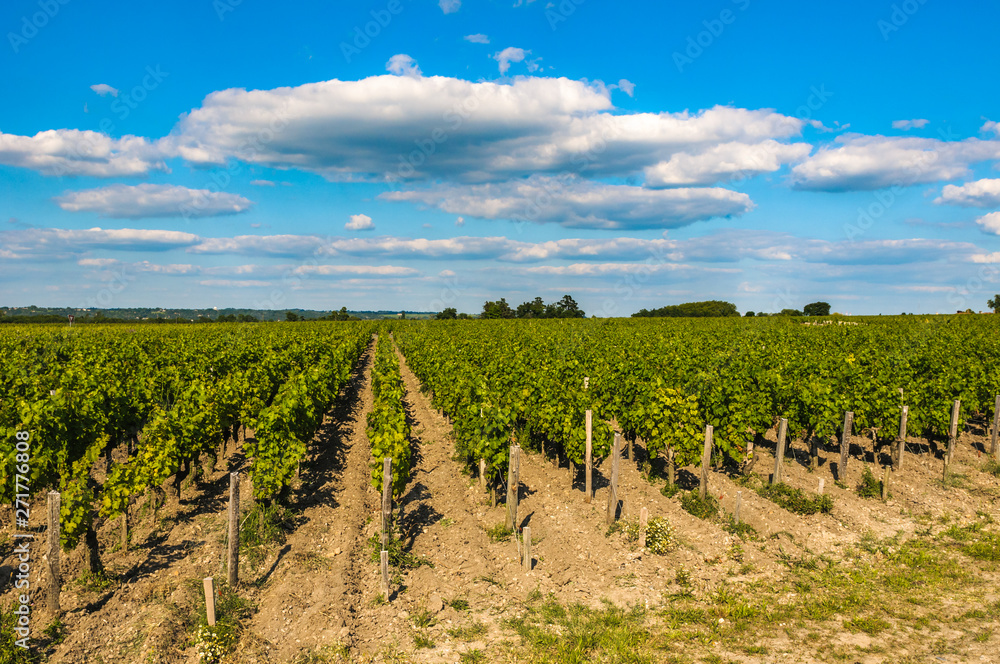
[885, 484]
[616, 451]
[527, 548]
[739, 504]
[210, 600]
[902, 437]
[706, 458]
[953, 429]
[385, 573]
[513, 480]
[822, 481]
[386, 498]
[482, 474]
[779, 451]
[643, 521]
[845, 445]
[996, 425]
[234, 529]
[52, 552]
[588, 459]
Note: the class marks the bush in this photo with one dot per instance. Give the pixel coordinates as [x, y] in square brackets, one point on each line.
[660, 536]
[870, 487]
[794, 500]
[703, 509]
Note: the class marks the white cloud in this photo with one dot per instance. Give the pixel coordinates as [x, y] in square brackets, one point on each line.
[990, 126]
[261, 245]
[234, 283]
[74, 152]
[857, 162]
[104, 89]
[357, 270]
[432, 127]
[141, 201]
[360, 222]
[53, 243]
[990, 223]
[262, 183]
[626, 86]
[509, 55]
[576, 203]
[460, 222]
[981, 193]
[477, 38]
[723, 162]
[450, 6]
[402, 65]
[100, 263]
[906, 125]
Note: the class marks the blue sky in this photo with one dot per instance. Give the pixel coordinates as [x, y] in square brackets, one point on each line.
[420, 154]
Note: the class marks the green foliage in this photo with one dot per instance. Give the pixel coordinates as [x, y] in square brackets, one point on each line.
[709, 308]
[388, 429]
[264, 527]
[232, 612]
[499, 533]
[660, 536]
[703, 509]
[794, 500]
[817, 309]
[399, 557]
[870, 486]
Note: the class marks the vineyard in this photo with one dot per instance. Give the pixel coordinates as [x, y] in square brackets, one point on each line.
[781, 492]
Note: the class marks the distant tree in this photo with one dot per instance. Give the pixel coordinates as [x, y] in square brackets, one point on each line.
[710, 308]
[749, 314]
[817, 309]
[447, 314]
[994, 304]
[568, 308]
[291, 316]
[247, 318]
[790, 312]
[464, 316]
[533, 309]
[402, 315]
[498, 309]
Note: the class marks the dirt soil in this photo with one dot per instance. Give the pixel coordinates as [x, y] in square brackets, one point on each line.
[319, 591]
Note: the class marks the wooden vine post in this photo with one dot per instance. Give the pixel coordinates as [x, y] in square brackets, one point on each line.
[845, 445]
[953, 429]
[996, 426]
[643, 521]
[588, 458]
[233, 552]
[737, 508]
[384, 560]
[513, 481]
[210, 600]
[616, 451]
[52, 553]
[779, 451]
[482, 474]
[527, 549]
[706, 458]
[386, 500]
[901, 443]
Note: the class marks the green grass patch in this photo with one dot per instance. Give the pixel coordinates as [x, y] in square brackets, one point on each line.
[789, 498]
[264, 527]
[870, 486]
[399, 557]
[469, 632]
[868, 624]
[499, 533]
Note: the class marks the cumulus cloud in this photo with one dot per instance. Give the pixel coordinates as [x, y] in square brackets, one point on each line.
[432, 127]
[74, 152]
[460, 222]
[141, 201]
[991, 126]
[357, 270]
[450, 6]
[509, 55]
[104, 89]
[724, 162]
[906, 125]
[857, 162]
[477, 38]
[402, 65]
[360, 222]
[52, 243]
[981, 193]
[990, 223]
[261, 245]
[577, 203]
[626, 86]
[262, 183]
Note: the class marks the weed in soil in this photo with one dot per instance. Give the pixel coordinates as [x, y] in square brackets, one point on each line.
[499, 533]
[703, 509]
[870, 486]
[789, 498]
